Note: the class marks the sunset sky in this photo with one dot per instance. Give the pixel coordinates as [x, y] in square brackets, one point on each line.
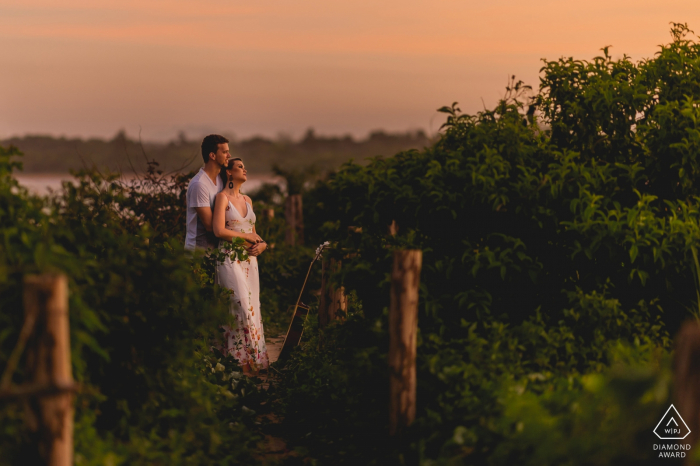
[89, 68]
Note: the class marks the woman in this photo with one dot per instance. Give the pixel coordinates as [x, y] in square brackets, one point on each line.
[246, 340]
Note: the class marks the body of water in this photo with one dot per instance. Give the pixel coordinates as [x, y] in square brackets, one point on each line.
[43, 183]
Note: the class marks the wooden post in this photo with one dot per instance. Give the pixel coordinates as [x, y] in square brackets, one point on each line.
[338, 306]
[323, 317]
[269, 213]
[334, 302]
[50, 415]
[295, 220]
[686, 375]
[393, 228]
[403, 329]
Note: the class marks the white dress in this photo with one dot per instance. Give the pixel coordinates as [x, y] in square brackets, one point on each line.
[246, 340]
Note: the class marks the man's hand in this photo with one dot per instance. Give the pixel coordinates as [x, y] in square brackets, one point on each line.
[257, 249]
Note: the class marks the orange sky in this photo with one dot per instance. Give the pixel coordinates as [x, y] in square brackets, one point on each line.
[280, 66]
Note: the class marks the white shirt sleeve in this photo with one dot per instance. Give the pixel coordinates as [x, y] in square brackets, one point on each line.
[199, 196]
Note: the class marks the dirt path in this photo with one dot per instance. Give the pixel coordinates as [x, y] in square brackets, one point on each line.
[274, 346]
[273, 449]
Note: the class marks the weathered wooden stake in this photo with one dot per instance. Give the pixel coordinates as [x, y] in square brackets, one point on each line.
[334, 302]
[323, 317]
[339, 302]
[403, 329]
[686, 375]
[294, 217]
[393, 228]
[50, 415]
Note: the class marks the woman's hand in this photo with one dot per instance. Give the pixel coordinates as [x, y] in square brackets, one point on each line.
[252, 238]
[257, 249]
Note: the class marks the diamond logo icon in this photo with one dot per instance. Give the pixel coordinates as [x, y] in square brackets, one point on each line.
[672, 426]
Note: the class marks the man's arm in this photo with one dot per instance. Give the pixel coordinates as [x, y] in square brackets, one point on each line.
[202, 206]
[204, 214]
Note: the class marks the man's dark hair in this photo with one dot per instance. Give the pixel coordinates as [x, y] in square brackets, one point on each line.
[211, 144]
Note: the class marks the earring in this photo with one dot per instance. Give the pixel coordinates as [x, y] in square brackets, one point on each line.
[230, 185]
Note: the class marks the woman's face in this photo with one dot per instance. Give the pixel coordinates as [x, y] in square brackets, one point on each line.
[237, 172]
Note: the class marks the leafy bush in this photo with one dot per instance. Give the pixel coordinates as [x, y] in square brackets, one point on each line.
[553, 240]
[141, 323]
[559, 236]
[334, 392]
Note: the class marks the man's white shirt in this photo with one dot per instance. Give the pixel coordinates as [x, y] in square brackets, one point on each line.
[201, 192]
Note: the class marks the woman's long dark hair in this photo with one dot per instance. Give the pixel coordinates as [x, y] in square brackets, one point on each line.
[228, 166]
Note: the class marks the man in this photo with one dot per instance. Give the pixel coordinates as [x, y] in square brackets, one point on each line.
[202, 191]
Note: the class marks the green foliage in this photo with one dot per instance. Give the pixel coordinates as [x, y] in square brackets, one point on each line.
[141, 322]
[597, 418]
[558, 231]
[334, 393]
[551, 374]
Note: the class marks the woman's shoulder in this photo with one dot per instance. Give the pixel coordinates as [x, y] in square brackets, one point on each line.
[247, 199]
[221, 197]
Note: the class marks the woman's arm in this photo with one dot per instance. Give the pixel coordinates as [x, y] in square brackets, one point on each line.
[219, 222]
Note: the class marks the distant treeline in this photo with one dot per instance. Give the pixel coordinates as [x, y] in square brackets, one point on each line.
[58, 155]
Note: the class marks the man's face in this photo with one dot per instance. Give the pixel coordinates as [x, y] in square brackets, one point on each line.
[222, 155]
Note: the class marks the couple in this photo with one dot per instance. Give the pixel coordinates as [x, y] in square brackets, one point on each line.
[216, 213]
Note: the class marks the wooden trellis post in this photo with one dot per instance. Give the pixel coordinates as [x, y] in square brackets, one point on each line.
[48, 360]
[323, 317]
[686, 375]
[393, 228]
[48, 392]
[333, 301]
[403, 331]
[294, 217]
[338, 306]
